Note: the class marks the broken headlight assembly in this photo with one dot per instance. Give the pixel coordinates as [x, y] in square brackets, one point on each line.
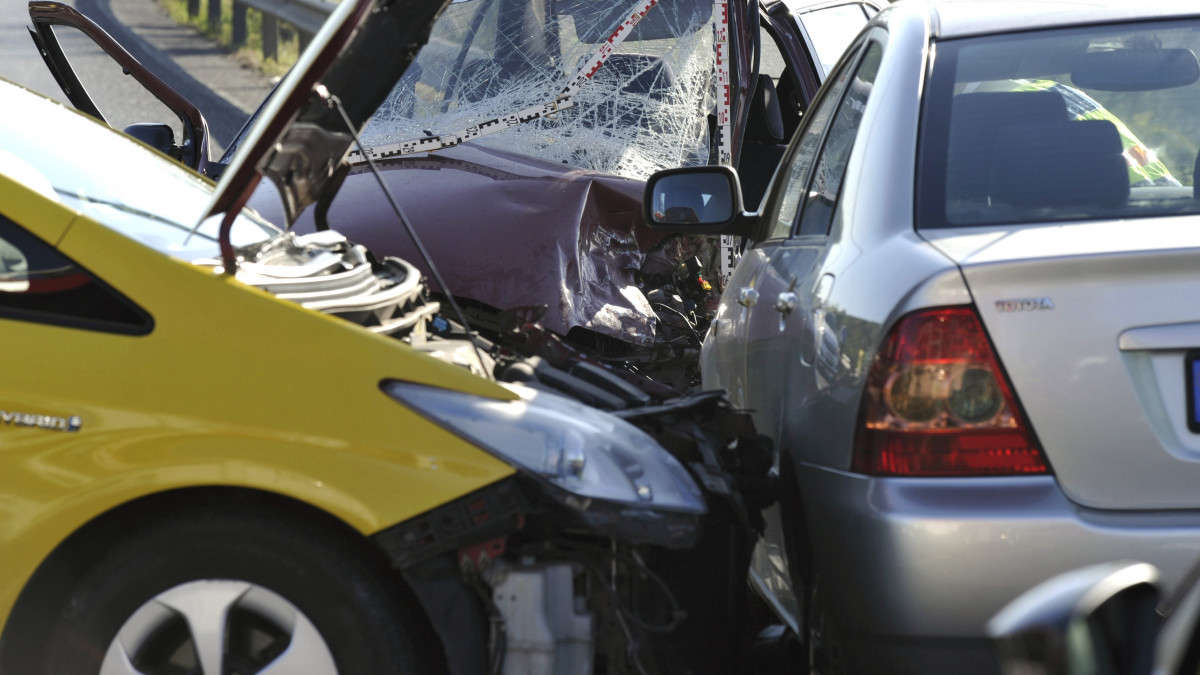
[612, 477]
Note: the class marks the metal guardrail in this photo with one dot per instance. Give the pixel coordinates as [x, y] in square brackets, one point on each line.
[306, 15]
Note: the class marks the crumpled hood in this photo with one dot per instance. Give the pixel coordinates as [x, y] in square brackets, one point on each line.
[509, 231]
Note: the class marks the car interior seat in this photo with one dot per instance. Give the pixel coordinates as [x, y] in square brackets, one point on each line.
[638, 74]
[1062, 164]
[645, 76]
[976, 121]
[763, 143]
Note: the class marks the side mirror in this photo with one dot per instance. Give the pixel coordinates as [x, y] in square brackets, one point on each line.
[158, 136]
[699, 200]
[1099, 619]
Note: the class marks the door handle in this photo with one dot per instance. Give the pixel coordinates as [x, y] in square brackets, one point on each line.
[785, 303]
[747, 296]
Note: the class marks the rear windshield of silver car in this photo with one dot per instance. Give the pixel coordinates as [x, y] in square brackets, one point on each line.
[1088, 123]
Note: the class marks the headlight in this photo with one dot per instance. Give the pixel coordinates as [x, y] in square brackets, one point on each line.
[584, 451]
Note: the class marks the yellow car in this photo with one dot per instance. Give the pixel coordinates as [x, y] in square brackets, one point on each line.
[228, 449]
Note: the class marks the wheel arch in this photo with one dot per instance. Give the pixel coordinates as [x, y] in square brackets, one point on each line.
[54, 578]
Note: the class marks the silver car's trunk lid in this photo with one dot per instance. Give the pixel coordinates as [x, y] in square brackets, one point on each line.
[1094, 323]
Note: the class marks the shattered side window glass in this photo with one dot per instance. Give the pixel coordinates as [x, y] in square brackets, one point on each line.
[830, 169]
[646, 108]
[781, 214]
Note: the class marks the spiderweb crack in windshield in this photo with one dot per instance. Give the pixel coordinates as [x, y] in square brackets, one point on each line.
[645, 109]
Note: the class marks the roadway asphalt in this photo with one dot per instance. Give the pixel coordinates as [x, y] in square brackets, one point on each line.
[226, 90]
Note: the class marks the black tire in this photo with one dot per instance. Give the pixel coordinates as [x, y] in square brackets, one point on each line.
[826, 654]
[823, 642]
[256, 566]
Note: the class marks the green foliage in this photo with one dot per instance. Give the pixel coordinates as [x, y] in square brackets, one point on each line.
[251, 52]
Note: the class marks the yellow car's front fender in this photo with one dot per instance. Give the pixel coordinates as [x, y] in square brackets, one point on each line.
[230, 387]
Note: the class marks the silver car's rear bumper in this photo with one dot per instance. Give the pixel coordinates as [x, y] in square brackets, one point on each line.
[917, 566]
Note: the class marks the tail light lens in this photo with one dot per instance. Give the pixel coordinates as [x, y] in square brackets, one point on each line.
[938, 404]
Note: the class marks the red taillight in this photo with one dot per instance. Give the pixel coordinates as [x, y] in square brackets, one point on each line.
[938, 404]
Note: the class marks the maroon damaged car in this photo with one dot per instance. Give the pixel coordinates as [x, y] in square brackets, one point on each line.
[518, 143]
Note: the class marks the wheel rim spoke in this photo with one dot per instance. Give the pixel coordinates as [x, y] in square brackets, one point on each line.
[205, 605]
[306, 655]
[116, 661]
[209, 626]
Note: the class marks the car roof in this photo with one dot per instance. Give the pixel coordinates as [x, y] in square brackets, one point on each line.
[961, 18]
[796, 6]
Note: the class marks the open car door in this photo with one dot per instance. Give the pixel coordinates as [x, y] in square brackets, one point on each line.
[69, 42]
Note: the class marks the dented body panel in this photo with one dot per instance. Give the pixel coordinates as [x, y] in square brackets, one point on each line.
[547, 235]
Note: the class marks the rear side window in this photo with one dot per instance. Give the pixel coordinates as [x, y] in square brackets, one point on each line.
[1079, 124]
[39, 284]
[811, 181]
[792, 181]
[826, 184]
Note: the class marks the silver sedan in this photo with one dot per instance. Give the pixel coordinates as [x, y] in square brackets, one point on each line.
[967, 311]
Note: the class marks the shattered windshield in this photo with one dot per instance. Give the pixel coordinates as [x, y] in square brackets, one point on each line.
[520, 75]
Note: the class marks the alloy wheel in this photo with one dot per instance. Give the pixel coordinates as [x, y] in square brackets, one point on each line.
[218, 627]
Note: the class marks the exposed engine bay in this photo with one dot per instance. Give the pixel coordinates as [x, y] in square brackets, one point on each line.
[553, 113]
[542, 583]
